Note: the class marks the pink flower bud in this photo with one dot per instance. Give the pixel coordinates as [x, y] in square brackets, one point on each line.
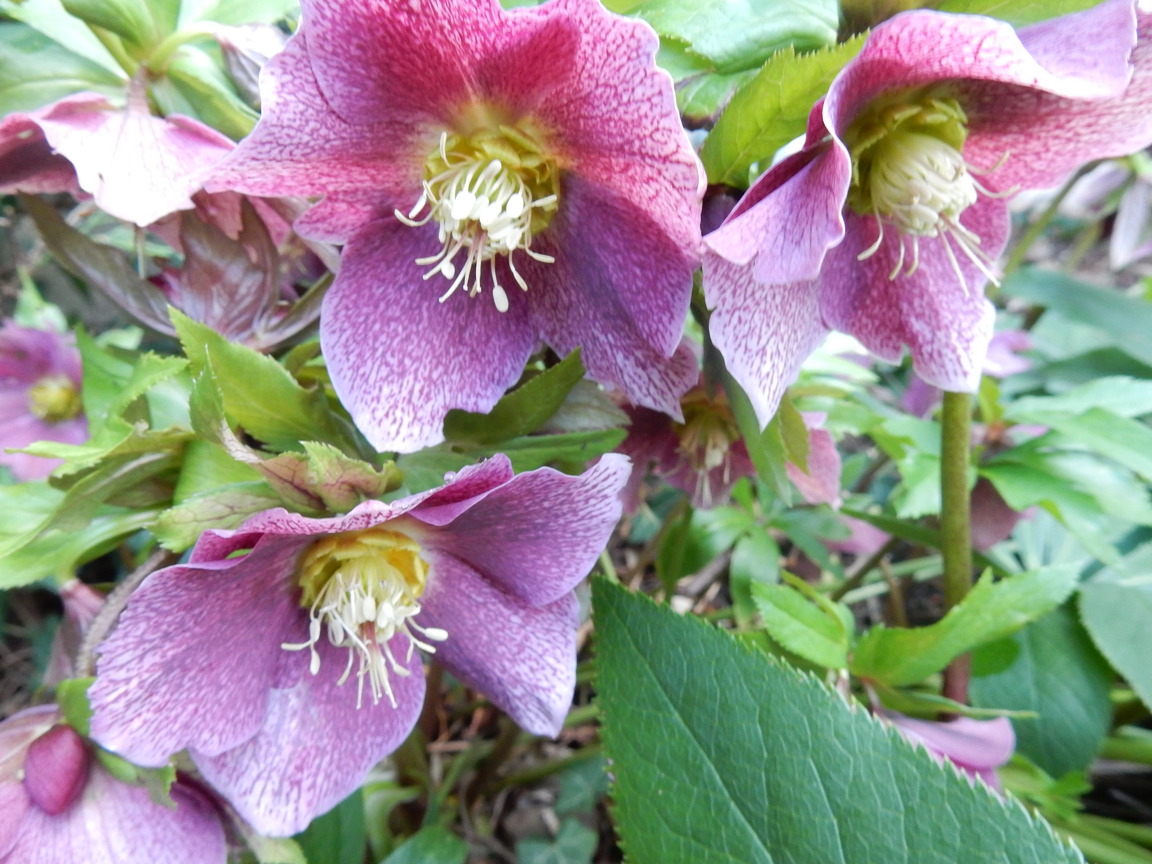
[56, 769]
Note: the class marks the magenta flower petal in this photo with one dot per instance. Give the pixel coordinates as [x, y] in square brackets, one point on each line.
[532, 676]
[554, 527]
[412, 352]
[977, 747]
[188, 665]
[117, 822]
[137, 166]
[1003, 110]
[274, 779]
[483, 157]
[820, 484]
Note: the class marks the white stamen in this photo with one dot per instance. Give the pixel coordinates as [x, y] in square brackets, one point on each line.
[482, 206]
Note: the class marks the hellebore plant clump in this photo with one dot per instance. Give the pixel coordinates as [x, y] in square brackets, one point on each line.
[341, 341]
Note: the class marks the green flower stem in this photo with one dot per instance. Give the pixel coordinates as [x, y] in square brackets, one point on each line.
[955, 531]
[1128, 744]
[1040, 225]
[115, 47]
[162, 54]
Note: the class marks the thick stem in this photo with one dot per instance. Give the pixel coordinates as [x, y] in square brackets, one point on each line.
[955, 531]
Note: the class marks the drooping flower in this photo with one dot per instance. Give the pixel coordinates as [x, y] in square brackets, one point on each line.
[500, 178]
[888, 223]
[976, 747]
[59, 804]
[39, 397]
[282, 654]
[137, 167]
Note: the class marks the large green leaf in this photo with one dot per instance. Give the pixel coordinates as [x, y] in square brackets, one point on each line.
[1116, 613]
[1050, 668]
[770, 110]
[740, 34]
[50, 18]
[1017, 12]
[721, 755]
[1127, 321]
[990, 612]
[337, 837]
[35, 71]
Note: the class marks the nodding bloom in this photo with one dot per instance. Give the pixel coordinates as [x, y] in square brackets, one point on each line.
[888, 223]
[58, 803]
[526, 182]
[39, 397]
[137, 167]
[282, 655]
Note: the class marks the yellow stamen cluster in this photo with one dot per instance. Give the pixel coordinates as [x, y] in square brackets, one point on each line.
[54, 399]
[363, 588]
[490, 191]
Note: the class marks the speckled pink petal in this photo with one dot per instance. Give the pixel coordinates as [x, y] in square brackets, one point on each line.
[971, 744]
[788, 220]
[117, 823]
[593, 121]
[315, 746]
[521, 657]
[820, 483]
[946, 325]
[619, 290]
[190, 663]
[764, 332]
[137, 166]
[302, 147]
[14, 805]
[399, 358]
[551, 529]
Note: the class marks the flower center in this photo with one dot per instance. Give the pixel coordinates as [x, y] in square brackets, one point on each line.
[54, 399]
[363, 588]
[909, 173]
[491, 192]
[706, 438]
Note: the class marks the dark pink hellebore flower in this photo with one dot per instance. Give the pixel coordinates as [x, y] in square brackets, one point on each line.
[242, 658]
[39, 397]
[137, 167]
[888, 223]
[58, 805]
[500, 179]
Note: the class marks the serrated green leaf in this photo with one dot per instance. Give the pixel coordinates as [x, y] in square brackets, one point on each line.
[1016, 12]
[1116, 612]
[755, 561]
[698, 538]
[771, 110]
[430, 845]
[257, 392]
[35, 71]
[739, 35]
[338, 836]
[990, 612]
[758, 764]
[520, 412]
[1057, 674]
[178, 527]
[801, 627]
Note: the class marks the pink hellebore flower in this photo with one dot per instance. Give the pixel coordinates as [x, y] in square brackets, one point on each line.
[58, 805]
[533, 155]
[976, 747]
[39, 397]
[888, 223]
[240, 655]
[137, 166]
[820, 483]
